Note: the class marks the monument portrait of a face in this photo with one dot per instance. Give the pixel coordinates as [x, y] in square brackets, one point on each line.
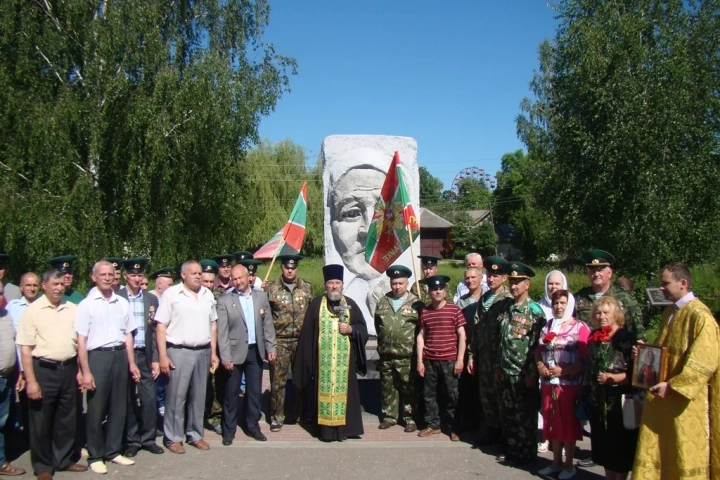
[354, 170]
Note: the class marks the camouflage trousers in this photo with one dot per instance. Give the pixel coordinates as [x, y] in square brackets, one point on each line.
[397, 387]
[279, 372]
[439, 374]
[214, 396]
[519, 421]
[488, 396]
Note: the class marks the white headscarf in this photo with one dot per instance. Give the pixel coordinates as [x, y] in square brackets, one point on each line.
[546, 303]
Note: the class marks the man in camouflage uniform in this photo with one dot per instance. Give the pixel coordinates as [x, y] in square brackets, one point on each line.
[289, 298]
[215, 391]
[396, 319]
[519, 321]
[599, 270]
[484, 348]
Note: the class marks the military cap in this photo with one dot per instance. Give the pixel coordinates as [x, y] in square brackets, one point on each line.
[496, 265]
[290, 261]
[398, 271]
[135, 265]
[243, 256]
[166, 272]
[597, 258]
[64, 263]
[429, 260]
[251, 265]
[333, 272]
[4, 259]
[436, 282]
[117, 262]
[224, 260]
[520, 270]
[209, 266]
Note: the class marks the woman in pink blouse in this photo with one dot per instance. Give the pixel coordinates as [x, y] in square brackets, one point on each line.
[560, 355]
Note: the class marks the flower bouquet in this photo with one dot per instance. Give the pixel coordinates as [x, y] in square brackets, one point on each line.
[602, 357]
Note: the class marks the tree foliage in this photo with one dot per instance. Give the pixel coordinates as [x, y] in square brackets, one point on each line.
[125, 125]
[624, 126]
[470, 237]
[430, 188]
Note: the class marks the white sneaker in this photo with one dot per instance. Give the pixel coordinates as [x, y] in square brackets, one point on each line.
[120, 460]
[550, 470]
[567, 474]
[543, 447]
[161, 411]
[98, 467]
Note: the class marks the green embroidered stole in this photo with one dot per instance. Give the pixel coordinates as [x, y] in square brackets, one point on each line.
[333, 369]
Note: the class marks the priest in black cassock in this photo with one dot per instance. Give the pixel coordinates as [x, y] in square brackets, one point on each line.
[330, 355]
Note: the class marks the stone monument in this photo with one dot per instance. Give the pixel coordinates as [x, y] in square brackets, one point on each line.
[354, 169]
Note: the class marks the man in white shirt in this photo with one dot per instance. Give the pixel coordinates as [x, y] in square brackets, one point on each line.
[187, 339]
[472, 260]
[106, 354]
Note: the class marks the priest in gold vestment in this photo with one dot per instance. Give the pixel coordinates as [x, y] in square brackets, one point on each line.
[680, 429]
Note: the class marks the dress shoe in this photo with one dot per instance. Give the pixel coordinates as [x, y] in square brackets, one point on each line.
[385, 424]
[98, 467]
[153, 448]
[131, 452]
[227, 441]
[410, 427]
[10, 470]
[454, 437]
[275, 426]
[200, 444]
[44, 476]
[426, 432]
[75, 468]
[176, 447]
[122, 460]
[217, 429]
[258, 435]
[587, 463]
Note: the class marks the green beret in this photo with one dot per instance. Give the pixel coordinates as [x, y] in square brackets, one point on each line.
[64, 263]
[116, 262]
[208, 266]
[436, 282]
[224, 260]
[520, 270]
[496, 265]
[135, 265]
[290, 261]
[243, 255]
[429, 260]
[251, 265]
[598, 258]
[398, 271]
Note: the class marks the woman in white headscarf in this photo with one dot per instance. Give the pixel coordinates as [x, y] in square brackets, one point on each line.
[554, 281]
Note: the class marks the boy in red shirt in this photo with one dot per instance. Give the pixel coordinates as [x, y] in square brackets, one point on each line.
[440, 352]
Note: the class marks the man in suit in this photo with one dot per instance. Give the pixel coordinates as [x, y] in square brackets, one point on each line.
[245, 337]
[142, 401]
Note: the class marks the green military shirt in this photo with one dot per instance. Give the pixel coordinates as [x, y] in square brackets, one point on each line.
[288, 308]
[396, 331]
[585, 298]
[73, 296]
[482, 341]
[519, 334]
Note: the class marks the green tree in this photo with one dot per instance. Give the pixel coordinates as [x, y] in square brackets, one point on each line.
[470, 237]
[125, 125]
[430, 188]
[624, 126]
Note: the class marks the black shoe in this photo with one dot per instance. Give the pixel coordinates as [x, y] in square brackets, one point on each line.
[154, 448]
[587, 463]
[258, 435]
[227, 441]
[275, 426]
[131, 452]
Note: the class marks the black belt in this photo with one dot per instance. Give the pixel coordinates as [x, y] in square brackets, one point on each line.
[50, 363]
[199, 347]
[252, 345]
[139, 349]
[115, 348]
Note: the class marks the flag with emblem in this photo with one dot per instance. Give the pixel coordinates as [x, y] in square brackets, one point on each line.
[394, 218]
[288, 241]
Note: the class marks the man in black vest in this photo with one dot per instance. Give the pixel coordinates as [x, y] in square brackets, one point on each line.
[142, 401]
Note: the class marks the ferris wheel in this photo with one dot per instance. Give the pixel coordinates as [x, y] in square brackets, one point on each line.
[475, 174]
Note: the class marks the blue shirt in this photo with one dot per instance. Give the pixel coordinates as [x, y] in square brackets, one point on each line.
[248, 308]
[137, 310]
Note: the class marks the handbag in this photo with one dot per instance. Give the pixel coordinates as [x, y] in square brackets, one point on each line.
[631, 411]
[582, 408]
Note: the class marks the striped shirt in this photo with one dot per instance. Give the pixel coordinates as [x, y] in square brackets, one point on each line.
[440, 331]
[137, 310]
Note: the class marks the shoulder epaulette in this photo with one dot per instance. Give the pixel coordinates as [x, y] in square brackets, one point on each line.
[536, 308]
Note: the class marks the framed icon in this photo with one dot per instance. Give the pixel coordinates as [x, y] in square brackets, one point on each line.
[650, 365]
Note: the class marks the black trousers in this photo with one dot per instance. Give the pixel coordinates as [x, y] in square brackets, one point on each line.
[110, 371]
[252, 367]
[142, 405]
[53, 418]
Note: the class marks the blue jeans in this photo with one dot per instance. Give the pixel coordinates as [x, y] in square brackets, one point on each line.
[6, 389]
[160, 385]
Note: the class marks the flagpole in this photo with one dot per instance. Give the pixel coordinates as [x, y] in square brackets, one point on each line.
[412, 255]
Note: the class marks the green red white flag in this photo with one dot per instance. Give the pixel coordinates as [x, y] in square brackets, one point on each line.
[288, 240]
[388, 235]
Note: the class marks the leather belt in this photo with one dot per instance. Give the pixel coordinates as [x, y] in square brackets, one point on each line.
[50, 363]
[114, 348]
[199, 347]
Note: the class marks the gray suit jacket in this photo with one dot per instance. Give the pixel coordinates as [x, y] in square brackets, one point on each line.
[150, 302]
[232, 327]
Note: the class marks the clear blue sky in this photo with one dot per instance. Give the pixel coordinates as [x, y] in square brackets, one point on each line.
[449, 73]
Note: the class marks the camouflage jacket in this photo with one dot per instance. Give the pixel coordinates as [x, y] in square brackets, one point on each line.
[484, 337]
[288, 308]
[585, 298]
[519, 335]
[396, 331]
